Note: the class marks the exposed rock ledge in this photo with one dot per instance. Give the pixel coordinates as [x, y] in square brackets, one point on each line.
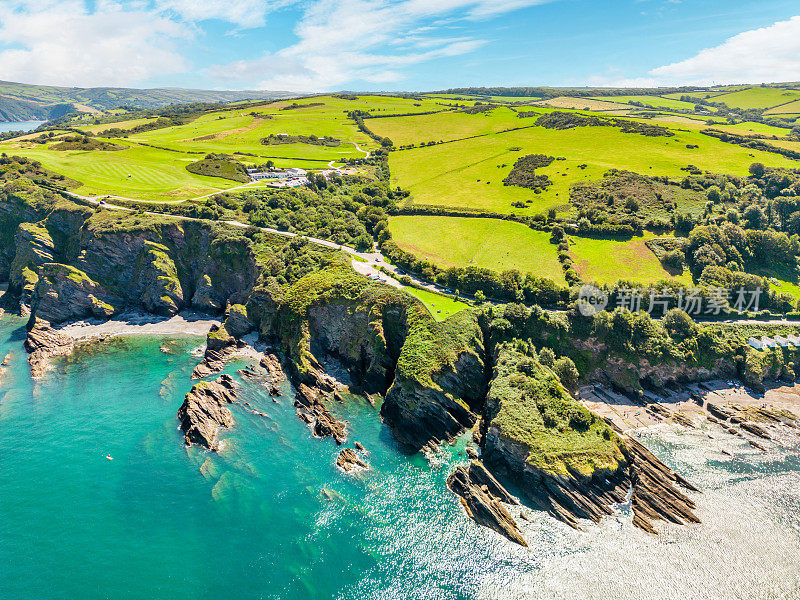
[348, 461]
[204, 411]
[481, 496]
[43, 343]
[312, 410]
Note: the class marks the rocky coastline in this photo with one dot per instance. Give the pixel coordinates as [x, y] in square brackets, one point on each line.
[483, 369]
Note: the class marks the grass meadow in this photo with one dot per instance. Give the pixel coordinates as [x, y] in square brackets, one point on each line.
[758, 97]
[489, 243]
[607, 261]
[469, 173]
[440, 306]
[137, 172]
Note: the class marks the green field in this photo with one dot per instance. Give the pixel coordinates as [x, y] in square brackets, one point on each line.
[489, 243]
[440, 306]
[153, 165]
[654, 101]
[607, 261]
[138, 172]
[469, 173]
[786, 109]
[447, 126]
[754, 127]
[758, 97]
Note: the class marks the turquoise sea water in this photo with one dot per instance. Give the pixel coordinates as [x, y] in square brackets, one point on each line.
[271, 516]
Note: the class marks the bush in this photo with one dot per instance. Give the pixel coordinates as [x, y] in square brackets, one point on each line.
[567, 372]
[547, 357]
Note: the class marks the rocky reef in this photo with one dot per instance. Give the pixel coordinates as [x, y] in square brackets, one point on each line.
[482, 497]
[204, 411]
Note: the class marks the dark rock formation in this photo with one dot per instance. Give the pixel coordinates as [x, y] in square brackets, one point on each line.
[64, 293]
[348, 461]
[481, 496]
[43, 343]
[312, 411]
[656, 493]
[273, 366]
[420, 412]
[204, 411]
[220, 346]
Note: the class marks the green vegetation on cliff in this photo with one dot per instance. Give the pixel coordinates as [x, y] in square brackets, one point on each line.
[529, 408]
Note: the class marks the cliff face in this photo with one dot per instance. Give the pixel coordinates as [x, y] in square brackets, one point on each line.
[70, 262]
[565, 459]
[437, 387]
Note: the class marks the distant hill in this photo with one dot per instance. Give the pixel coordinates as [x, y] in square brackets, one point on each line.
[23, 102]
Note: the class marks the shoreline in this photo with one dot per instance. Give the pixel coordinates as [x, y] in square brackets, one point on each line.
[139, 323]
[762, 419]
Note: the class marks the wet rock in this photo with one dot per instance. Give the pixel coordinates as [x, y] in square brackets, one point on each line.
[273, 366]
[481, 496]
[349, 461]
[314, 413]
[754, 429]
[43, 343]
[204, 411]
[360, 447]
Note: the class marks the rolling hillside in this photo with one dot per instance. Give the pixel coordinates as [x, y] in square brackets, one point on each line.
[21, 102]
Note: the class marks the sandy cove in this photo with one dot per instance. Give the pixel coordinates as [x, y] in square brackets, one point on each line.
[139, 323]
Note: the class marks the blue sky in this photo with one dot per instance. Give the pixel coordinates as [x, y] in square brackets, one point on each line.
[319, 45]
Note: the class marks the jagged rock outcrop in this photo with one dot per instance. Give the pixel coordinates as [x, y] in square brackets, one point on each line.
[237, 322]
[204, 411]
[44, 343]
[312, 410]
[223, 342]
[432, 406]
[34, 247]
[159, 265]
[566, 460]
[350, 334]
[64, 293]
[482, 496]
[220, 346]
[349, 461]
[157, 278]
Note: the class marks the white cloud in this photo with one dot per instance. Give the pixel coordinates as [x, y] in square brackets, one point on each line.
[63, 43]
[244, 13]
[769, 54]
[343, 41]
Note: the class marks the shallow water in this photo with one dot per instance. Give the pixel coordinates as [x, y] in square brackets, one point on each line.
[271, 516]
[19, 125]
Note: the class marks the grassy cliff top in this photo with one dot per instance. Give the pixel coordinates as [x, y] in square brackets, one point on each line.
[530, 408]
